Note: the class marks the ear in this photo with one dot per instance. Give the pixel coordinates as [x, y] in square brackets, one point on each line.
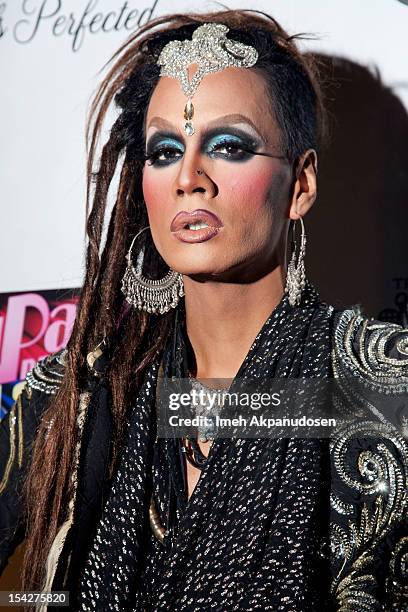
[305, 185]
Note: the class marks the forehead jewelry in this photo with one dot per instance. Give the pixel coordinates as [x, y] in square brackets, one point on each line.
[212, 51]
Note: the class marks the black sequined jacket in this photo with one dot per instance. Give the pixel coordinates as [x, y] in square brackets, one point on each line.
[368, 516]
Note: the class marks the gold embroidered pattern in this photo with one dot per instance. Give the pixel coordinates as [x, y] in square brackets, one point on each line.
[12, 441]
[383, 486]
[397, 582]
[47, 374]
[59, 540]
[20, 429]
[363, 348]
[16, 438]
[370, 461]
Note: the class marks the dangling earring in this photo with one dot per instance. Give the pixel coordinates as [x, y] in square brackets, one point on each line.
[146, 294]
[295, 275]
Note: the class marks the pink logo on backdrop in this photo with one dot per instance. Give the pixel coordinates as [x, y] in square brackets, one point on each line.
[33, 325]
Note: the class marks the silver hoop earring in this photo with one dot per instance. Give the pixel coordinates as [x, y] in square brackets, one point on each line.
[147, 294]
[295, 275]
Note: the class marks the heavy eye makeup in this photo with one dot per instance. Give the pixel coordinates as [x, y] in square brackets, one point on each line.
[165, 148]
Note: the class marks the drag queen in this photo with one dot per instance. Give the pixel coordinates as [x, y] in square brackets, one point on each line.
[215, 144]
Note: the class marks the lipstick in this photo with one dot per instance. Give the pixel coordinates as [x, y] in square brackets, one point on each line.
[199, 225]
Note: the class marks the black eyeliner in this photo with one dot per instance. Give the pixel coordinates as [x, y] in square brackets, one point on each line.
[207, 135]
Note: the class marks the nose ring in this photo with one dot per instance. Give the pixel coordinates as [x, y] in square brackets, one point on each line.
[199, 171]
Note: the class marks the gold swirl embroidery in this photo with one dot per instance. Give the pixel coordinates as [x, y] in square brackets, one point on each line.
[385, 476]
[375, 353]
[397, 582]
[47, 374]
[352, 594]
[362, 348]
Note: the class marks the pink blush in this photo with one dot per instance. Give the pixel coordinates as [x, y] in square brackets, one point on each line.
[155, 192]
[249, 189]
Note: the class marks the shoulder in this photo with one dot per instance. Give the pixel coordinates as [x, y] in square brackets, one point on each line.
[369, 463]
[47, 375]
[372, 350]
[39, 386]
[18, 427]
[17, 432]
[41, 382]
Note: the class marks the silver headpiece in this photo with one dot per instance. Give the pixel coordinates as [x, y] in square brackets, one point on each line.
[212, 51]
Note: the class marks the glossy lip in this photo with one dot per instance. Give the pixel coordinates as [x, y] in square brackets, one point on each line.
[183, 218]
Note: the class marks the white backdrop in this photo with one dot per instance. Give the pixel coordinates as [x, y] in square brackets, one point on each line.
[50, 54]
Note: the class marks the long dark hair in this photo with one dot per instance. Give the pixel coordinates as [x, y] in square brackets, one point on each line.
[135, 336]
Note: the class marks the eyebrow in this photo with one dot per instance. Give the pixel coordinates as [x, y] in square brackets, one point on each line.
[231, 119]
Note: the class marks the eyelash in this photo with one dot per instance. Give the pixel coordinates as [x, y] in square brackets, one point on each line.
[153, 157]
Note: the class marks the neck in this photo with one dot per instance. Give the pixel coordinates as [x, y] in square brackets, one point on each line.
[223, 320]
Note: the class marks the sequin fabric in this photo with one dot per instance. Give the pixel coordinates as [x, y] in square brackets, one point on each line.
[260, 530]
[254, 534]
[369, 499]
[46, 375]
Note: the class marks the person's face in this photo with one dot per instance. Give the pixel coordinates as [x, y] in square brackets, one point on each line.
[249, 194]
